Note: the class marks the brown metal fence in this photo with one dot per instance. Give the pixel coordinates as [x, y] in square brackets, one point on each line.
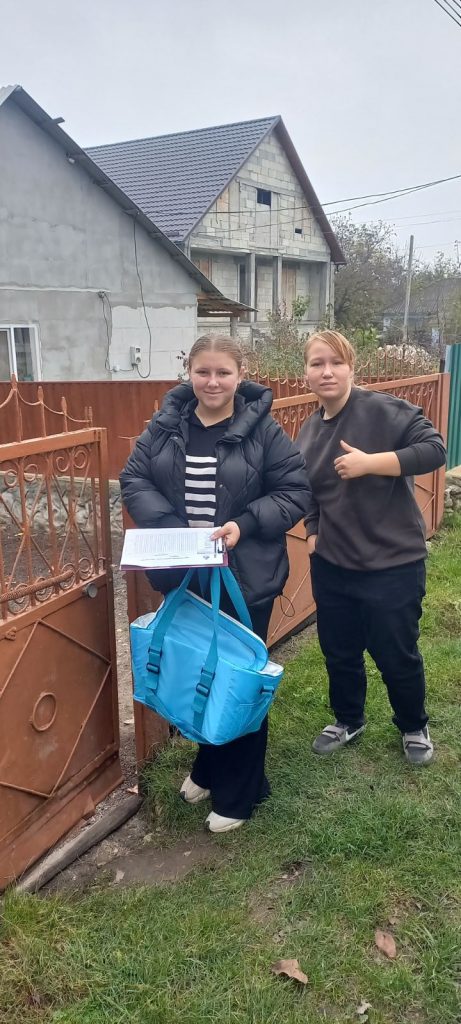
[58, 690]
[122, 407]
[381, 366]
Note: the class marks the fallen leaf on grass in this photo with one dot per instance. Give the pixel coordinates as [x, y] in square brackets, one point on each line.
[291, 969]
[393, 920]
[385, 942]
[363, 1009]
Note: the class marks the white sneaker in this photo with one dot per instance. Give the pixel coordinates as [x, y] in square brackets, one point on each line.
[216, 823]
[191, 793]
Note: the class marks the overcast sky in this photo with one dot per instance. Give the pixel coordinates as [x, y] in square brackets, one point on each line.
[368, 89]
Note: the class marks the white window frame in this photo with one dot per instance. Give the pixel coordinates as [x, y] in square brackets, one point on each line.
[34, 344]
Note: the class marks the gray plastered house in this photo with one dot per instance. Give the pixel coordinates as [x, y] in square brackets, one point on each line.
[237, 199]
[88, 281]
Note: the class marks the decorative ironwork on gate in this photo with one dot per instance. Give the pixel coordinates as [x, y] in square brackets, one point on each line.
[50, 526]
[58, 699]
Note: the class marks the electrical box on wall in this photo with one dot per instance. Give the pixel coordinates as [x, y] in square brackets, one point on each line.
[135, 355]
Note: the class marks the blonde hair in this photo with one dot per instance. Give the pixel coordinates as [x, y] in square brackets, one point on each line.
[216, 343]
[336, 341]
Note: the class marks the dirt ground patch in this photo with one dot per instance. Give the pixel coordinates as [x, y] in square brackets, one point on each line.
[131, 856]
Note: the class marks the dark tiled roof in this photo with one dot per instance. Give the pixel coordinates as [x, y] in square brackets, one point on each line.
[174, 179]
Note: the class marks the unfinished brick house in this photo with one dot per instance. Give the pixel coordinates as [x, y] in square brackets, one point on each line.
[238, 201]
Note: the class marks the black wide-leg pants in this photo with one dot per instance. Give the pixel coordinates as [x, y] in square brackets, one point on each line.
[234, 772]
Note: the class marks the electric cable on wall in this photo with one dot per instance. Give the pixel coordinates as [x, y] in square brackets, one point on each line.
[105, 298]
[143, 376]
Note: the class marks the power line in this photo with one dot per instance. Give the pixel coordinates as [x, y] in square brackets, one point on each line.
[401, 195]
[430, 213]
[393, 192]
[378, 196]
[282, 221]
[332, 213]
[433, 245]
[442, 8]
[450, 5]
[447, 220]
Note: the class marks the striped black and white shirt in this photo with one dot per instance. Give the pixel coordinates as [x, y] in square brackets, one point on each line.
[200, 484]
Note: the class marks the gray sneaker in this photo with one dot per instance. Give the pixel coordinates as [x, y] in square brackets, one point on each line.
[335, 736]
[417, 746]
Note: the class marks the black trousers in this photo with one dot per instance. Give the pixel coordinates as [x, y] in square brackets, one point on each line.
[234, 772]
[379, 612]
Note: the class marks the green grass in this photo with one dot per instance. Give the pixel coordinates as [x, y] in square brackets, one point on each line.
[363, 838]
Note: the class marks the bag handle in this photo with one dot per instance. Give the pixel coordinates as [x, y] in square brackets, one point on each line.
[236, 596]
[202, 690]
[156, 644]
[233, 591]
[208, 671]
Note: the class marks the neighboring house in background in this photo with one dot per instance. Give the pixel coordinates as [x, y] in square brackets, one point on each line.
[89, 284]
[237, 199]
[434, 316]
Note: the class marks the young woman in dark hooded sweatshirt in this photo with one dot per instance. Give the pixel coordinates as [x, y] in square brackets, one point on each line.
[214, 456]
[366, 539]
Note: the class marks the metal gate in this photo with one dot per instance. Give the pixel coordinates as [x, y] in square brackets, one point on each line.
[58, 690]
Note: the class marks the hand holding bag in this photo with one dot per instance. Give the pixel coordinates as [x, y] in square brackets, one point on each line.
[202, 670]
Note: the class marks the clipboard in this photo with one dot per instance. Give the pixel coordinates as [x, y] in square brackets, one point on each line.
[172, 549]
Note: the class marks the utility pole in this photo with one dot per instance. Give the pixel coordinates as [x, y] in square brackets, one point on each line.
[457, 245]
[408, 290]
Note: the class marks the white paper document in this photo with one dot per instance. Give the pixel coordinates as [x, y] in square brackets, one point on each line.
[171, 549]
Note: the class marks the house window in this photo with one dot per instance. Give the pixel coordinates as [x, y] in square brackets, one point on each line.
[298, 231]
[242, 284]
[264, 197]
[203, 263]
[19, 352]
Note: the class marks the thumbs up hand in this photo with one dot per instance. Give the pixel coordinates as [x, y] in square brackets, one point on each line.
[353, 463]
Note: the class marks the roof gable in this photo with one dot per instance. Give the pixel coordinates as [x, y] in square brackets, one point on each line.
[176, 178]
[17, 95]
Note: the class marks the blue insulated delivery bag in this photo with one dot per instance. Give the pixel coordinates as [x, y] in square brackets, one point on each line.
[202, 670]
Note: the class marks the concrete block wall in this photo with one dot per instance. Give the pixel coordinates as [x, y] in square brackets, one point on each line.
[267, 168]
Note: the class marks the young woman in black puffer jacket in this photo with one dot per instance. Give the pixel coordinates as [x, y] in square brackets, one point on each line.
[214, 456]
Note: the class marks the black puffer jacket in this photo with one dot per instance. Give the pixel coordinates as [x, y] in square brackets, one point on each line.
[259, 471]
